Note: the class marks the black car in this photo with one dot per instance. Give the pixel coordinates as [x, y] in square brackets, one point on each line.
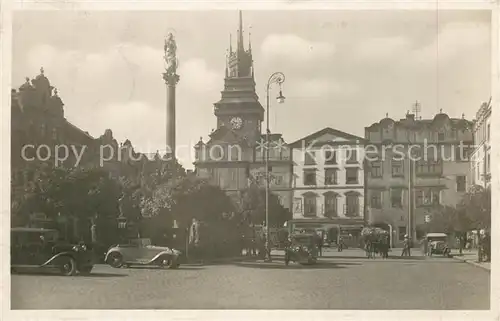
[42, 248]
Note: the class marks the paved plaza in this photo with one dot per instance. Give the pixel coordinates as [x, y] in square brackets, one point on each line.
[344, 280]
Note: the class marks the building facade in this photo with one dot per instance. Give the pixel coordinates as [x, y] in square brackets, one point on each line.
[403, 191]
[329, 179]
[233, 156]
[480, 160]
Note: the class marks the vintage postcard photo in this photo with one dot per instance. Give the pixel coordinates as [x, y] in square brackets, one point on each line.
[251, 159]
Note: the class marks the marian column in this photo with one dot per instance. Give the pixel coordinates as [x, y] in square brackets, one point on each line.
[171, 79]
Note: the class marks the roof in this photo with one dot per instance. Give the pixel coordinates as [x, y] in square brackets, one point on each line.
[437, 235]
[327, 130]
[417, 123]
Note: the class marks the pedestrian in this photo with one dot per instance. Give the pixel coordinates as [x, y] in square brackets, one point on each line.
[319, 240]
[406, 246]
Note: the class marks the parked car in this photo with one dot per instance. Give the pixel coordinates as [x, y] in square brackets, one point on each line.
[437, 243]
[142, 252]
[42, 248]
[302, 248]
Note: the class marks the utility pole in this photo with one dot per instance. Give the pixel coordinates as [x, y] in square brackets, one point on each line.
[409, 227]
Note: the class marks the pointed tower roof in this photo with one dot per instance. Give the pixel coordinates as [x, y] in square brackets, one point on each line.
[241, 48]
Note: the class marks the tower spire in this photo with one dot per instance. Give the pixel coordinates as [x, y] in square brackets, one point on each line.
[230, 44]
[240, 34]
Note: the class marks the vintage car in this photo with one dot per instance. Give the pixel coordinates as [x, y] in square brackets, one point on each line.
[302, 248]
[141, 252]
[437, 243]
[42, 248]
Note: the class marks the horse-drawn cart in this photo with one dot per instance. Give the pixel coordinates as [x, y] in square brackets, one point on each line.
[375, 240]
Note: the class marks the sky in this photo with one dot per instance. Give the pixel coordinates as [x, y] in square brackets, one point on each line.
[344, 69]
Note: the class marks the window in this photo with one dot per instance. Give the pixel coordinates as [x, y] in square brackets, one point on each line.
[376, 199]
[351, 175]
[42, 130]
[397, 168]
[459, 154]
[440, 137]
[331, 205]
[429, 167]
[427, 197]
[297, 205]
[309, 158]
[461, 183]
[309, 205]
[54, 133]
[309, 177]
[234, 177]
[488, 133]
[352, 204]
[376, 169]
[330, 157]
[351, 156]
[397, 197]
[488, 164]
[278, 179]
[331, 176]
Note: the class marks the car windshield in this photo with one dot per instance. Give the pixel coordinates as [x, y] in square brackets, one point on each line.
[141, 242]
[302, 240]
[437, 239]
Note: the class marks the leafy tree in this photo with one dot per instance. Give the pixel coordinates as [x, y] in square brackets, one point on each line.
[186, 198]
[252, 206]
[448, 219]
[476, 206]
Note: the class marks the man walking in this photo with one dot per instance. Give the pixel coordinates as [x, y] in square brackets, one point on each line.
[406, 246]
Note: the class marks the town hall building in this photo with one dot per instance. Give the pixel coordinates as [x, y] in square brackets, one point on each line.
[234, 155]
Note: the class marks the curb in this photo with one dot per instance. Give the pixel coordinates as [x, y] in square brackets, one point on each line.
[479, 265]
[222, 260]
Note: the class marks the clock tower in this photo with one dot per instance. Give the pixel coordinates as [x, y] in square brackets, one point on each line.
[233, 157]
[239, 108]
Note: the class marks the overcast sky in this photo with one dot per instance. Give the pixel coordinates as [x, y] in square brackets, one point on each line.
[344, 69]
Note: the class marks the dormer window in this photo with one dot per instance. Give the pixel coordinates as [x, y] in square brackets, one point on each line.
[440, 137]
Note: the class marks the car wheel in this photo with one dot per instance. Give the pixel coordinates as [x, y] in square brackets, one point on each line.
[67, 266]
[173, 264]
[115, 260]
[85, 269]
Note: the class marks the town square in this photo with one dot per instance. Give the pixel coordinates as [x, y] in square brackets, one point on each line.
[274, 160]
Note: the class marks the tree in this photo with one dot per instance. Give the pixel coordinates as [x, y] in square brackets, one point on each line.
[186, 198]
[252, 207]
[476, 206]
[447, 219]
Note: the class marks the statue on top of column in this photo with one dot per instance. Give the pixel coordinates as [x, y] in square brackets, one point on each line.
[170, 55]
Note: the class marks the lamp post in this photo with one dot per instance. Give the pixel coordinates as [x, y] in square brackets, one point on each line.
[275, 78]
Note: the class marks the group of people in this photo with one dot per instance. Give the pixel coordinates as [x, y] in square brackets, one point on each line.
[379, 245]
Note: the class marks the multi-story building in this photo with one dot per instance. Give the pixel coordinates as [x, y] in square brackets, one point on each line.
[234, 155]
[39, 130]
[480, 160]
[436, 174]
[329, 180]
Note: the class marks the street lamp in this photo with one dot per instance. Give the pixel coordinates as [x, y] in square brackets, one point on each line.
[275, 78]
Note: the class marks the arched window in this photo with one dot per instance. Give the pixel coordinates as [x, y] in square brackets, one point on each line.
[310, 204]
[330, 201]
[352, 207]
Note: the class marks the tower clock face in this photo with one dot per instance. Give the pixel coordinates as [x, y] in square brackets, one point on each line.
[236, 122]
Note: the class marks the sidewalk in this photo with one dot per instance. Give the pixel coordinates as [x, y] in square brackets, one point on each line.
[471, 258]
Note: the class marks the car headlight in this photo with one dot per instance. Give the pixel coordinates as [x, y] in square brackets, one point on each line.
[83, 247]
[76, 248]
